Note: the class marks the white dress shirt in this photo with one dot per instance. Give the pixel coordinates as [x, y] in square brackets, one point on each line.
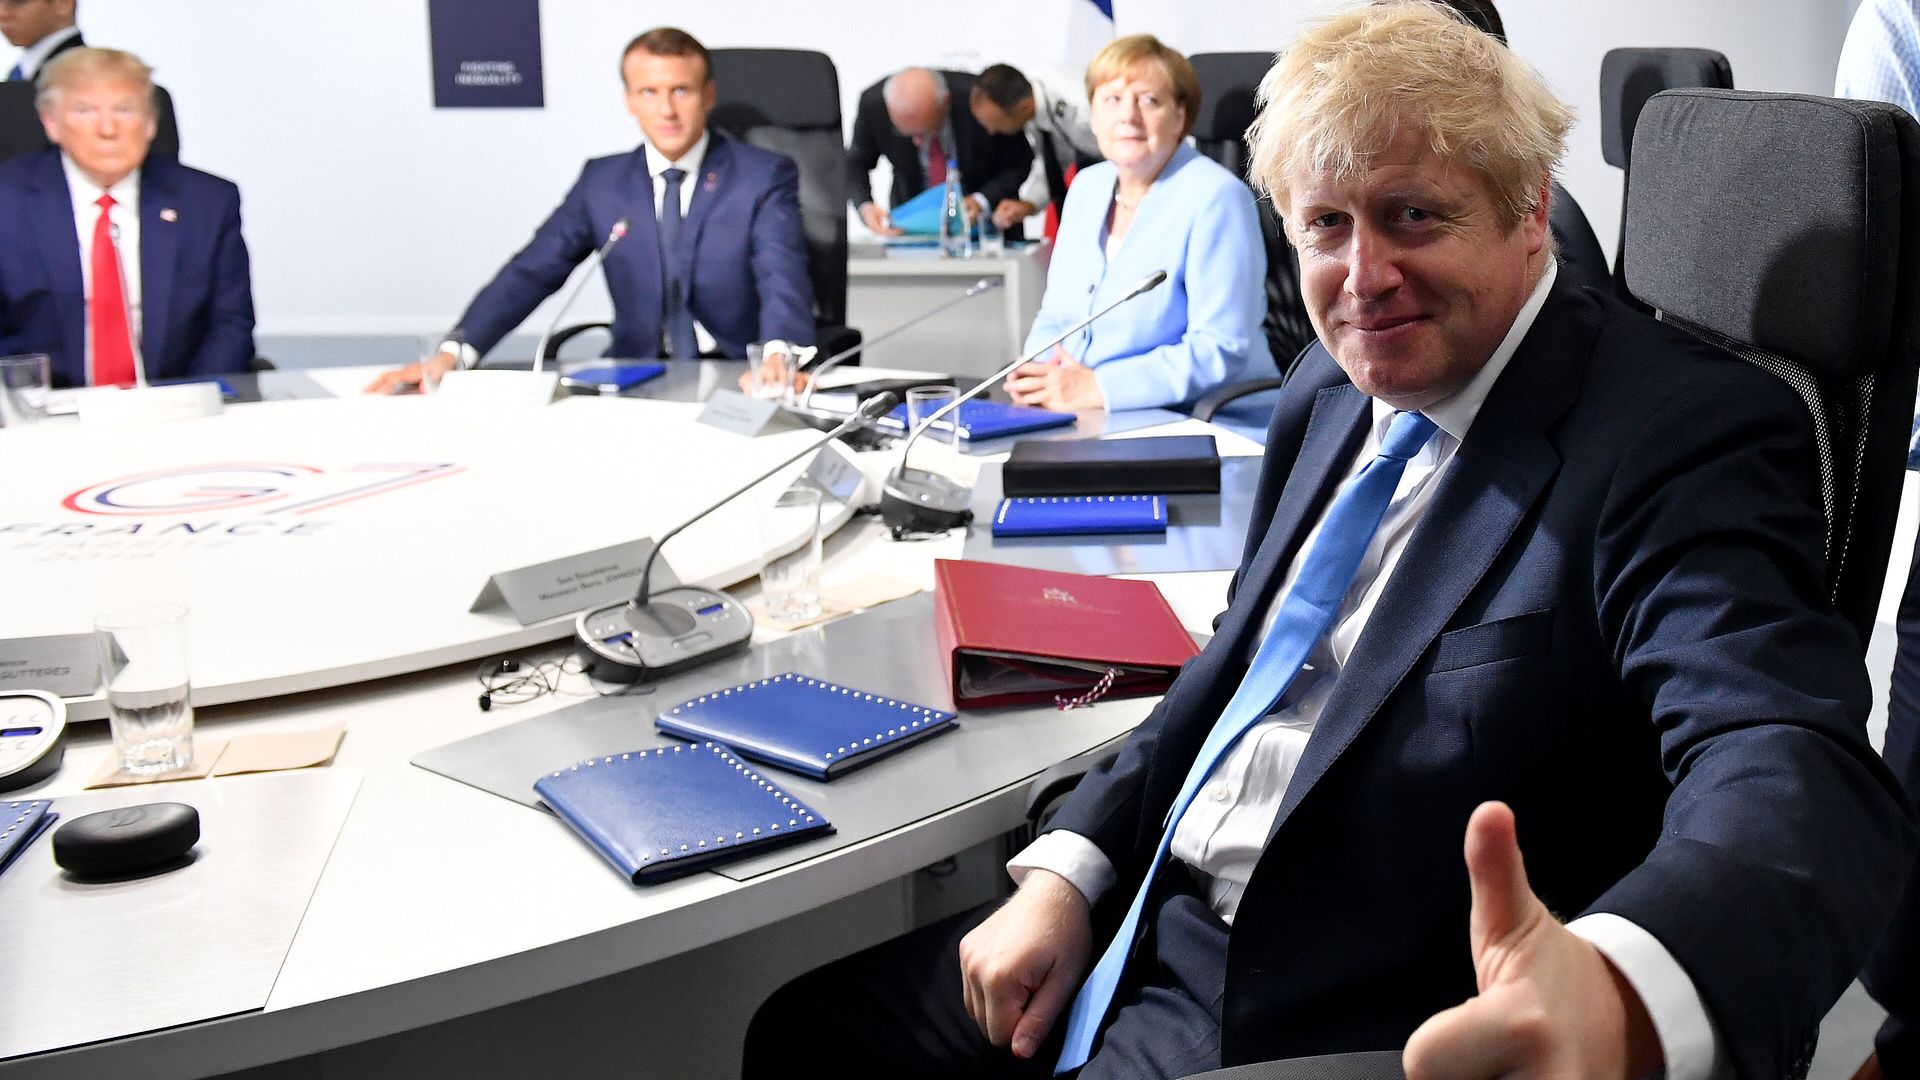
[34, 55]
[1224, 830]
[126, 214]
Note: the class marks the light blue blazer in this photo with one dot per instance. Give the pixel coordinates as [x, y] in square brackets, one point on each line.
[1198, 330]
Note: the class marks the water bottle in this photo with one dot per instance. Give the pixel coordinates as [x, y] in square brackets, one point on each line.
[954, 238]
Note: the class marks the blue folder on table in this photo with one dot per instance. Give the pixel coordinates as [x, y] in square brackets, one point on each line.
[21, 823]
[662, 812]
[811, 726]
[1075, 515]
[920, 215]
[981, 420]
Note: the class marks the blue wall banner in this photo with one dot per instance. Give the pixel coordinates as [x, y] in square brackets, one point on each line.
[486, 54]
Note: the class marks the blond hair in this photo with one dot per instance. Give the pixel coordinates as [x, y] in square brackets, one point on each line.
[1126, 55]
[1355, 81]
[85, 65]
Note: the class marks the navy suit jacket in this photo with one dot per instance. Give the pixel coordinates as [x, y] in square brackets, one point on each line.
[196, 293]
[748, 256]
[1612, 617]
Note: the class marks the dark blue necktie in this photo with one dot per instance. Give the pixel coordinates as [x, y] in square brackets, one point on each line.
[17, 74]
[680, 343]
[1303, 619]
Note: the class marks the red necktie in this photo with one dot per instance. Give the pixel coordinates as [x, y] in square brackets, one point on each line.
[112, 340]
[936, 162]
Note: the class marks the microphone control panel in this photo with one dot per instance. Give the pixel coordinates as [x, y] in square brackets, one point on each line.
[678, 628]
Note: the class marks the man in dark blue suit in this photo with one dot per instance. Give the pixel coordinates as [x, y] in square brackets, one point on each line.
[179, 250]
[714, 256]
[1584, 612]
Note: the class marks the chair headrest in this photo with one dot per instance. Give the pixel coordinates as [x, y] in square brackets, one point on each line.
[1776, 220]
[1228, 83]
[1628, 77]
[791, 88]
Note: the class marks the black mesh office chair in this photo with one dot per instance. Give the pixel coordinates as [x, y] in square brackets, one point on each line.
[1628, 78]
[22, 133]
[788, 100]
[1786, 228]
[1228, 85]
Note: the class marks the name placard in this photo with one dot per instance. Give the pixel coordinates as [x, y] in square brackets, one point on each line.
[836, 472]
[62, 664]
[731, 410]
[575, 583]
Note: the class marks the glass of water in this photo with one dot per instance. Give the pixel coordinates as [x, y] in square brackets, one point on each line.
[24, 382]
[143, 665]
[790, 536]
[939, 449]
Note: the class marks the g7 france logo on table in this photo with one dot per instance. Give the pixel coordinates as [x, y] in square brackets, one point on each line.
[273, 488]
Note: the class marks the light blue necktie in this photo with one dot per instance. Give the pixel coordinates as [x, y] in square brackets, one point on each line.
[1303, 619]
[17, 74]
[680, 343]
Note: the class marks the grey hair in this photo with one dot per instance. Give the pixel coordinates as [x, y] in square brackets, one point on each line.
[888, 92]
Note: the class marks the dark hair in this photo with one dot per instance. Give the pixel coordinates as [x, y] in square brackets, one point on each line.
[1004, 86]
[1483, 15]
[668, 41]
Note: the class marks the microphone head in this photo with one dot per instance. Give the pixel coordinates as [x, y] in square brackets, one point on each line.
[984, 284]
[878, 405]
[1149, 283]
[619, 230]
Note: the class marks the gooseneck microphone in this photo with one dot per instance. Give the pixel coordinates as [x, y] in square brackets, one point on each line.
[806, 398]
[915, 500]
[685, 625]
[599, 256]
[126, 307]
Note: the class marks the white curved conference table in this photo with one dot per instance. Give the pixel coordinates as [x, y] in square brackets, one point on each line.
[325, 542]
[439, 901]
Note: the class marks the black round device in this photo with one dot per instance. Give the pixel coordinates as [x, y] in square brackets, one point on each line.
[130, 839]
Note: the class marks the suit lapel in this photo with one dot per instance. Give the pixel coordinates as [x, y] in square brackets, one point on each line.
[1496, 476]
[159, 249]
[639, 253]
[714, 173]
[55, 234]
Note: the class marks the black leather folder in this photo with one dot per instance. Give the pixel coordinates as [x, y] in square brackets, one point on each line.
[1168, 465]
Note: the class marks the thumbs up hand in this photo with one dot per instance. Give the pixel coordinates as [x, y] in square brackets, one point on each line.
[1549, 1006]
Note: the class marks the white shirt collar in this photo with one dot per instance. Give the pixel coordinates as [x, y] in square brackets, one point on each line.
[34, 55]
[1455, 413]
[85, 192]
[689, 162]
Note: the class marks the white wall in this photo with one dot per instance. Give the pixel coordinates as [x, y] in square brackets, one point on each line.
[370, 212]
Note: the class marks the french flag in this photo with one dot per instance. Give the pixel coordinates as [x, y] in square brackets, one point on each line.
[1088, 25]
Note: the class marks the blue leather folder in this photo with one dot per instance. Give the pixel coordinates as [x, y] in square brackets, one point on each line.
[1075, 515]
[659, 813]
[987, 420]
[21, 823]
[613, 378]
[811, 726]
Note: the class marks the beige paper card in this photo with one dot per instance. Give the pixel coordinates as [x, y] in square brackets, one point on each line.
[274, 751]
[205, 753]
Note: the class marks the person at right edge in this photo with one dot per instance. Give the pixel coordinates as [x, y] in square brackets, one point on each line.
[1531, 572]
[1881, 62]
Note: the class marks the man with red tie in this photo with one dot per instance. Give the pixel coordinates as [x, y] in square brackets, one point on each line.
[111, 260]
[919, 119]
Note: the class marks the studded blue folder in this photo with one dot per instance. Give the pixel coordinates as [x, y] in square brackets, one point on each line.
[22, 822]
[1071, 515]
[814, 727]
[663, 812]
[986, 420]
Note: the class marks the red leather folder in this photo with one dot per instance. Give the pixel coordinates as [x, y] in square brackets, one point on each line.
[1009, 635]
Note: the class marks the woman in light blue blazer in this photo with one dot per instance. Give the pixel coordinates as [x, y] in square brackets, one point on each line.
[1153, 204]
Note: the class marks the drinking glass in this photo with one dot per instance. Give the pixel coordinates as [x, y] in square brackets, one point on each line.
[24, 381]
[143, 665]
[790, 536]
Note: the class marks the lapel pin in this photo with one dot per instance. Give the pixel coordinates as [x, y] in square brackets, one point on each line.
[169, 214]
[713, 181]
